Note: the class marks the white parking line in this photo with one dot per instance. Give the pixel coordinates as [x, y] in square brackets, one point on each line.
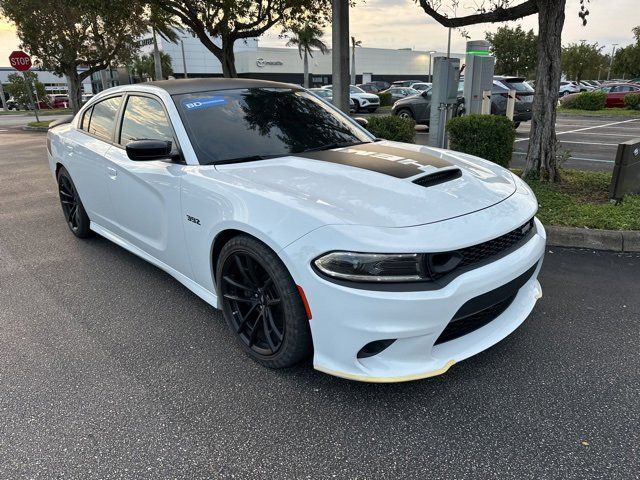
[589, 128]
[609, 134]
[590, 143]
[582, 159]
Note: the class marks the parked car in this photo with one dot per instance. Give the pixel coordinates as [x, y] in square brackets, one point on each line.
[327, 95]
[404, 83]
[381, 84]
[363, 101]
[421, 86]
[386, 261]
[369, 87]
[12, 104]
[400, 92]
[585, 86]
[59, 101]
[567, 88]
[418, 107]
[615, 93]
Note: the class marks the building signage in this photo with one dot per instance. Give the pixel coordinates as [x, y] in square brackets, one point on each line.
[261, 62]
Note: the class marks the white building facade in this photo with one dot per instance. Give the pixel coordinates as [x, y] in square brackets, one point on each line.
[52, 83]
[285, 64]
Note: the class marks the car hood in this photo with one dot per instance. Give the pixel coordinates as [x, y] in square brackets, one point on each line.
[385, 183]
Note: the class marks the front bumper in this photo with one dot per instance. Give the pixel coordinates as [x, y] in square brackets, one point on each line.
[345, 319]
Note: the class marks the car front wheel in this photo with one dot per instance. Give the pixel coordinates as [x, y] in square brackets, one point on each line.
[405, 113]
[262, 304]
[72, 208]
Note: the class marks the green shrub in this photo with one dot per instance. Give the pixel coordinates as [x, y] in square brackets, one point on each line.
[586, 101]
[385, 99]
[393, 128]
[632, 101]
[486, 136]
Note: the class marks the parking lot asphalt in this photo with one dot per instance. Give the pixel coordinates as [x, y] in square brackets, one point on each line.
[109, 368]
[591, 142]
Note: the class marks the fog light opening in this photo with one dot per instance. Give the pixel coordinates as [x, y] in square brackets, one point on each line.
[374, 348]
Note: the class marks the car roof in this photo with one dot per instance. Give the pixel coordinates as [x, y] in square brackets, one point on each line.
[194, 85]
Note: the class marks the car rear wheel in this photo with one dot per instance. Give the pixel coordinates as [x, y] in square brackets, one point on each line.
[405, 113]
[72, 208]
[261, 303]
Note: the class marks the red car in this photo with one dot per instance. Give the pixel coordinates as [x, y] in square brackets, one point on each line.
[615, 93]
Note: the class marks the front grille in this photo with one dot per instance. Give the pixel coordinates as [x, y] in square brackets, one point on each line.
[481, 310]
[477, 253]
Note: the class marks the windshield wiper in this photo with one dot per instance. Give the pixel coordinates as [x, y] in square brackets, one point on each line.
[329, 146]
[250, 158]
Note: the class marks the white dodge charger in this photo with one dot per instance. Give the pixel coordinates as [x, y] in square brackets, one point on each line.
[385, 261]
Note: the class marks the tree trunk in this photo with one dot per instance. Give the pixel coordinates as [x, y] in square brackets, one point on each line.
[541, 155]
[306, 70]
[228, 58]
[353, 65]
[157, 60]
[75, 90]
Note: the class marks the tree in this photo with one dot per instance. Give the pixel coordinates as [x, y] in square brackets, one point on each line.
[626, 61]
[514, 50]
[541, 155]
[582, 60]
[306, 37]
[218, 24]
[162, 24]
[144, 67]
[17, 88]
[66, 35]
[354, 43]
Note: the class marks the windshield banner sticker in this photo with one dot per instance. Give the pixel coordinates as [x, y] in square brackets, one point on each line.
[205, 102]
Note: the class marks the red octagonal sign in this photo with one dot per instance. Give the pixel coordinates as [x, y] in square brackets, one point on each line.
[20, 60]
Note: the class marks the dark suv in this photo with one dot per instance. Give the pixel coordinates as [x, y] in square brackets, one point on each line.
[418, 107]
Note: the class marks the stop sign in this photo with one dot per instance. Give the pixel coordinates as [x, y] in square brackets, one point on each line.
[20, 60]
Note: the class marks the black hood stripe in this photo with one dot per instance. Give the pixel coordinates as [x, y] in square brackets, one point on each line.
[392, 161]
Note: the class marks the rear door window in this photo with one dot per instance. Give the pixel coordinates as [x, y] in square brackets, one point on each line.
[103, 118]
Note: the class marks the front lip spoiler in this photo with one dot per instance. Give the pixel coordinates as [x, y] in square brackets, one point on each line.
[403, 378]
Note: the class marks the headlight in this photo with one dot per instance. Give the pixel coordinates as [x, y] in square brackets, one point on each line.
[372, 267]
[387, 267]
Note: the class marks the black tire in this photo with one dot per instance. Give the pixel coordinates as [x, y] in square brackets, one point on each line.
[358, 106]
[72, 208]
[261, 303]
[405, 113]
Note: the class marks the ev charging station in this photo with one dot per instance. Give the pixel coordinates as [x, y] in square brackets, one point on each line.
[444, 97]
[478, 77]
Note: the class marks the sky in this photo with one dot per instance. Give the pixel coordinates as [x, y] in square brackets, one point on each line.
[403, 24]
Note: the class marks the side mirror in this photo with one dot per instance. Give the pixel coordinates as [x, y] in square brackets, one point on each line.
[426, 93]
[363, 122]
[142, 150]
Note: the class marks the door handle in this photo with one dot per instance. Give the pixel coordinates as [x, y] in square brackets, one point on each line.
[113, 173]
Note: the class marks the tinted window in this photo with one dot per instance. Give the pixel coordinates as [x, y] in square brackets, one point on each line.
[144, 119]
[354, 89]
[103, 117]
[234, 124]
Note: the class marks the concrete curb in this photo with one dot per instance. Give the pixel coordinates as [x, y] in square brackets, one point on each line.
[612, 240]
[35, 129]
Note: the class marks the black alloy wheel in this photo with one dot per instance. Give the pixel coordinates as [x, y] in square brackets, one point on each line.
[261, 303]
[72, 207]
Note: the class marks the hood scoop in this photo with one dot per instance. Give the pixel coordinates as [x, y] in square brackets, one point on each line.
[439, 177]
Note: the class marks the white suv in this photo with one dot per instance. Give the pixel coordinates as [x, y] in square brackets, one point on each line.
[363, 100]
[567, 88]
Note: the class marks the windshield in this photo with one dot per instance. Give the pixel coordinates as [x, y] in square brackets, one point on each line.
[235, 125]
[354, 89]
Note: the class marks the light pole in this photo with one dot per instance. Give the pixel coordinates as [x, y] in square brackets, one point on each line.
[613, 52]
[430, 60]
[184, 60]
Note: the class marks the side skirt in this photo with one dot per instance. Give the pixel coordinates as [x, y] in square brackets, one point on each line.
[203, 293]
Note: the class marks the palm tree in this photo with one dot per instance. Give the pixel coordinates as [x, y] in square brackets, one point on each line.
[164, 25]
[354, 43]
[305, 38]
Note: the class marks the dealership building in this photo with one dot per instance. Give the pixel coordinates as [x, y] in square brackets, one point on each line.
[285, 65]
